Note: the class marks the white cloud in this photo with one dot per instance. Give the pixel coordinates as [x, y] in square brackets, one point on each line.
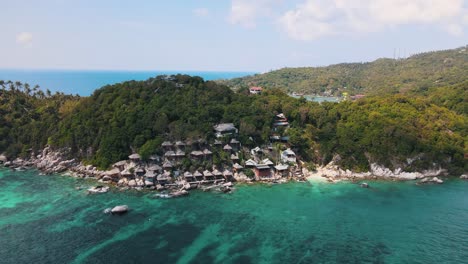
[24, 39]
[317, 18]
[247, 12]
[201, 12]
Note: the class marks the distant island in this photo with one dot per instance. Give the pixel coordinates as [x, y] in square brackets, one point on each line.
[182, 131]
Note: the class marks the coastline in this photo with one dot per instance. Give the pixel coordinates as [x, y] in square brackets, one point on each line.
[54, 161]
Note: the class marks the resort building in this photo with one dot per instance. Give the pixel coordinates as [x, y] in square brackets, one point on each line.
[225, 129]
[256, 90]
[288, 156]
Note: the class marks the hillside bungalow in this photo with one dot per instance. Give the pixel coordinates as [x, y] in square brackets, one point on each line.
[198, 176]
[155, 158]
[262, 171]
[227, 148]
[256, 151]
[170, 155]
[167, 165]
[235, 144]
[155, 168]
[225, 129]
[208, 175]
[237, 167]
[196, 154]
[164, 178]
[280, 120]
[134, 157]
[234, 158]
[227, 175]
[267, 162]
[126, 174]
[288, 156]
[179, 154]
[166, 145]
[218, 143]
[250, 163]
[255, 90]
[189, 176]
[217, 174]
[180, 144]
[282, 170]
[149, 176]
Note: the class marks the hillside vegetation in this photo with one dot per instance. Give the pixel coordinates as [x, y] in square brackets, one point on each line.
[383, 76]
[429, 128]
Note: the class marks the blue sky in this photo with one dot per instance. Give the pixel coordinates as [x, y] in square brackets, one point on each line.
[222, 35]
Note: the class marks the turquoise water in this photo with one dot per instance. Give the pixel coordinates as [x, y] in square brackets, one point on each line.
[44, 219]
[320, 99]
[85, 82]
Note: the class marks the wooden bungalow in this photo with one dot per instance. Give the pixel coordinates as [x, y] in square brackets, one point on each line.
[170, 155]
[282, 170]
[225, 129]
[126, 174]
[218, 143]
[150, 176]
[267, 162]
[262, 171]
[227, 148]
[237, 167]
[167, 145]
[189, 176]
[155, 158]
[140, 172]
[250, 163]
[288, 156]
[198, 176]
[180, 144]
[196, 154]
[217, 174]
[179, 154]
[235, 158]
[155, 168]
[235, 144]
[228, 175]
[167, 165]
[208, 175]
[164, 178]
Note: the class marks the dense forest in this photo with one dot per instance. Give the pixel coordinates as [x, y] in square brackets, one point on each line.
[414, 131]
[383, 76]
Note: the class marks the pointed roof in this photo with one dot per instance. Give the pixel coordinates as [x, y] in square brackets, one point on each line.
[167, 164]
[237, 166]
[234, 141]
[227, 173]
[218, 142]
[179, 153]
[227, 147]
[207, 173]
[197, 174]
[154, 157]
[267, 162]
[126, 173]
[166, 144]
[196, 153]
[150, 174]
[207, 152]
[155, 167]
[169, 153]
[188, 174]
[234, 157]
[250, 162]
[289, 152]
[217, 172]
[140, 170]
[180, 143]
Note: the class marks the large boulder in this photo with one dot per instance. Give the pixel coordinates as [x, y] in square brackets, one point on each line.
[119, 209]
[464, 177]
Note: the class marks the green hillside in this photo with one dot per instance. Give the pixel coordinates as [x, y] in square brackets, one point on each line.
[418, 72]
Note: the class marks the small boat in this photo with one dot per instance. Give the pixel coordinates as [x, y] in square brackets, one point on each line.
[364, 185]
[99, 189]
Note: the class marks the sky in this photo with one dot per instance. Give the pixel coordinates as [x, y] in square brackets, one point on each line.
[222, 35]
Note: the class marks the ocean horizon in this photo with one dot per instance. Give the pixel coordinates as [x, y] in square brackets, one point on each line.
[85, 82]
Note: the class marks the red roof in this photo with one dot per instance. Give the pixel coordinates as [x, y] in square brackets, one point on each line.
[256, 88]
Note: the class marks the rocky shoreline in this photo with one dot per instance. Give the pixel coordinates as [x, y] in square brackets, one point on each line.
[54, 161]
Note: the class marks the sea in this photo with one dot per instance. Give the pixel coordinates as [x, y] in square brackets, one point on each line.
[52, 219]
[84, 82]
